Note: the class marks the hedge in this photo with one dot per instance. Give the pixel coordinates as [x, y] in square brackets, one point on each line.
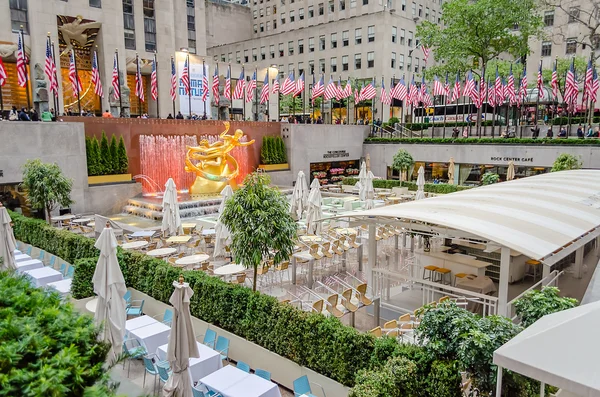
[441, 188]
[487, 141]
[104, 158]
[273, 150]
[574, 120]
[424, 126]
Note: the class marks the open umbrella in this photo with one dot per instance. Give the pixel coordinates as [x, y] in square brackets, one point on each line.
[171, 222]
[182, 342]
[222, 233]
[314, 211]
[510, 173]
[109, 285]
[362, 182]
[451, 171]
[7, 241]
[369, 191]
[299, 195]
[420, 184]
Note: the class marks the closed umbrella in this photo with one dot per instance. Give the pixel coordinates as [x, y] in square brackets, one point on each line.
[362, 182]
[314, 211]
[182, 342]
[171, 222]
[7, 241]
[222, 233]
[299, 195]
[451, 171]
[510, 173]
[109, 285]
[369, 191]
[420, 184]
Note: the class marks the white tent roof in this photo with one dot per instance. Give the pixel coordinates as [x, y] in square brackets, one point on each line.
[559, 349]
[537, 216]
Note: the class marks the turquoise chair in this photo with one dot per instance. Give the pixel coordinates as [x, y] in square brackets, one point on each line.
[163, 371]
[209, 338]
[263, 374]
[168, 317]
[150, 368]
[243, 366]
[63, 268]
[42, 253]
[134, 309]
[28, 251]
[127, 298]
[196, 392]
[19, 245]
[134, 350]
[52, 261]
[223, 347]
[302, 386]
[70, 272]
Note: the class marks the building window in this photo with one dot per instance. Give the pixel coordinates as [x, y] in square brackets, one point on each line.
[262, 12]
[546, 48]
[96, 3]
[333, 65]
[129, 24]
[301, 46]
[283, 19]
[272, 51]
[409, 64]
[129, 39]
[18, 15]
[311, 44]
[301, 14]
[342, 5]
[230, 57]
[410, 38]
[274, 24]
[334, 40]
[321, 43]
[352, 3]
[358, 36]
[371, 34]
[416, 65]
[345, 63]
[274, 10]
[403, 5]
[281, 54]
[322, 65]
[149, 26]
[427, 13]
[290, 67]
[290, 48]
[282, 2]
[262, 27]
[245, 56]
[394, 34]
[268, 25]
[402, 36]
[574, 14]
[281, 72]
[331, 6]
[393, 62]
[365, 2]
[420, 10]
[321, 9]
[255, 14]
[263, 55]
[300, 68]
[311, 11]
[345, 38]
[255, 28]
[191, 24]
[268, 11]
[414, 9]
[311, 67]
[254, 55]
[370, 59]
[357, 61]
[571, 46]
[237, 57]
[401, 62]
[292, 16]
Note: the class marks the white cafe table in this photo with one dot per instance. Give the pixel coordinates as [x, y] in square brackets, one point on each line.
[303, 256]
[139, 322]
[63, 287]
[134, 245]
[17, 252]
[62, 218]
[22, 257]
[161, 252]
[82, 220]
[43, 276]
[208, 362]
[233, 382]
[230, 269]
[208, 232]
[192, 259]
[151, 336]
[143, 233]
[179, 239]
[31, 264]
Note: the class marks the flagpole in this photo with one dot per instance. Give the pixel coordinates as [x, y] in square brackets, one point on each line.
[173, 63]
[243, 94]
[120, 85]
[156, 71]
[470, 122]
[303, 103]
[347, 106]
[141, 83]
[433, 118]
[203, 87]
[55, 76]
[392, 98]
[189, 72]
[445, 115]
[487, 103]
[26, 70]
[76, 80]
[494, 115]
[269, 90]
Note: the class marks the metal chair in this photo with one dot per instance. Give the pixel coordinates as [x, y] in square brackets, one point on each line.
[263, 374]
[150, 368]
[134, 350]
[163, 371]
[134, 309]
[209, 338]
[223, 347]
[302, 386]
[243, 366]
[70, 272]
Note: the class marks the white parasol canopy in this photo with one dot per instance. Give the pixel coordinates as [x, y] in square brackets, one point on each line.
[510, 172]
[314, 211]
[7, 241]
[109, 285]
[420, 184]
[369, 191]
[171, 222]
[362, 181]
[182, 343]
[451, 171]
[299, 195]
[222, 233]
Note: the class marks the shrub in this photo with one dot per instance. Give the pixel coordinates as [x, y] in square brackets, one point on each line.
[566, 161]
[486, 141]
[535, 304]
[489, 178]
[105, 158]
[123, 160]
[440, 188]
[94, 163]
[273, 150]
[114, 156]
[402, 161]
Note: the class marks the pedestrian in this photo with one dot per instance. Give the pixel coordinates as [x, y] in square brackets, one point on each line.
[535, 130]
[13, 115]
[23, 116]
[170, 117]
[590, 133]
[179, 116]
[107, 114]
[465, 133]
[47, 116]
[550, 133]
[562, 133]
[579, 131]
[33, 115]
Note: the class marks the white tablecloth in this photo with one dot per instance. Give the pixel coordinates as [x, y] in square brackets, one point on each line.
[144, 233]
[209, 361]
[224, 378]
[22, 257]
[17, 252]
[139, 322]
[151, 336]
[43, 276]
[30, 264]
[233, 382]
[63, 287]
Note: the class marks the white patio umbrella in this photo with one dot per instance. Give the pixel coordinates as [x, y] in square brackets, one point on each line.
[222, 233]
[182, 342]
[109, 285]
[314, 211]
[510, 172]
[171, 222]
[451, 171]
[420, 184]
[362, 182]
[7, 241]
[369, 191]
[299, 195]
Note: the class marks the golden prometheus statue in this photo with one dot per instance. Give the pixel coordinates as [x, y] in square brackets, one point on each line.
[215, 167]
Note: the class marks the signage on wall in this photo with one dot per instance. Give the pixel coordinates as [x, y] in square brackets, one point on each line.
[332, 154]
[515, 159]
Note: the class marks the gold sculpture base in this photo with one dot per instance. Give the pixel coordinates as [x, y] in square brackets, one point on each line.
[203, 187]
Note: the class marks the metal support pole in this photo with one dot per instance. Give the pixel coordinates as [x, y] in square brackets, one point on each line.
[499, 382]
[503, 282]
[76, 81]
[120, 84]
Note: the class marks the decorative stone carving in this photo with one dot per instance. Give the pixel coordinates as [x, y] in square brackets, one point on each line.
[40, 88]
[76, 31]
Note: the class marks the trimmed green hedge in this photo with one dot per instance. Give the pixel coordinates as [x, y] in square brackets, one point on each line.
[487, 141]
[424, 126]
[574, 120]
[441, 188]
[273, 150]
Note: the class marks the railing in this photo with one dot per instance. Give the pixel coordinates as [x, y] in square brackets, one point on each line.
[391, 132]
[551, 280]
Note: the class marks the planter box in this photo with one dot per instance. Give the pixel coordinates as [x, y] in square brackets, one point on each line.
[274, 167]
[102, 179]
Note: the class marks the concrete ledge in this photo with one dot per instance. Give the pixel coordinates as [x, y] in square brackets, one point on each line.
[101, 179]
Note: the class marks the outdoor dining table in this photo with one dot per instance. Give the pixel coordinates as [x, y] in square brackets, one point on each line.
[305, 256]
[228, 270]
[346, 230]
[63, 287]
[83, 221]
[30, 264]
[161, 252]
[22, 257]
[232, 382]
[134, 245]
[192, 259]
[139, 322]
[43, 276]
[188, 226]
[312, 239]
[143, 233]
[208, 232]
[151, 336]
[208, 362]
[179, 240]
[62, 218]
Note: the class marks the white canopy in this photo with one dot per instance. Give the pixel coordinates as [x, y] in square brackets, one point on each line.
[7, 241]
[299, 195]
[314, 212]
[171, 222]
[222, 233]
[560, 349]
[546, 216]
[362, 181]
[369, 191]
[420, 184]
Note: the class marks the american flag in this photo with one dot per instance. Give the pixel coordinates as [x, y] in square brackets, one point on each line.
[510, 88]
[368, 91]
[50, 67]
[289, 84]
[425, 97]
[95, 76]
[554, 82]
[73, 77]
[571, 88]
[498, 89]
[540, 82]
[413, 93]
[386, 99]
[299, 85]
[523, 86]
[426, 51]
[204, 82]
[477, 98]
[357, 95]
[238, 93]
[154, 81]
[438, 88]
[340, 92]
[275, 88]
[251, 87]
[491, 94]
[456, 89]
[215, 85]
[595, 86]
[348, 89]
[173, 80]
[227, 90]
[589, 78]
[482, 90]
[469, 85]
[185, 76]
[264, 91]
[21, 68]
[330, 90]
[115, 78]
[3, 76]
[139, 83]
[399, 91]
[318, 89]
[447, 87]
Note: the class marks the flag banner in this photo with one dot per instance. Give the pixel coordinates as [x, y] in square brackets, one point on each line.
[196, 75]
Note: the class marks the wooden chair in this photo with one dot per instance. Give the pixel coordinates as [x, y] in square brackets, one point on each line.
[405, 318]
[332, 308]
[317, 306]
[347, 301]
[353, 242]
[314, 252]
[239, 279]
[392, 324]
[376, 332]
[281, 268]
[443, 299]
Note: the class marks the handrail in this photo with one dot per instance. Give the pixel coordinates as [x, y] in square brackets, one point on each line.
[403, 131]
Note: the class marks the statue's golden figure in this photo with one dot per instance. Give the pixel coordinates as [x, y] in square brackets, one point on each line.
[215, 167]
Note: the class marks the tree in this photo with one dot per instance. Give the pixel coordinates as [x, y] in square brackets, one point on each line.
[402, 162]
[289, 105]
[105, 158]
[123, 160]
[564, 64]
[114, 156]
[536, 304]
[260, 223]
[46, 186]
[489, 178]
[94, 166]
[566, 161]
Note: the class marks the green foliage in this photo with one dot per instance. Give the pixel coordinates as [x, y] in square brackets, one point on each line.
[123, 160]
[114, 156]
[535, 304]
[439, 188]
[273, 150]
[46, 186]
[574, 121]
[490, 178]
[487, 141]
[94, 163]
[289, 105]
[393, 120]
[105, 157]
[47, 348]
[566, 161]
[402, 160]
